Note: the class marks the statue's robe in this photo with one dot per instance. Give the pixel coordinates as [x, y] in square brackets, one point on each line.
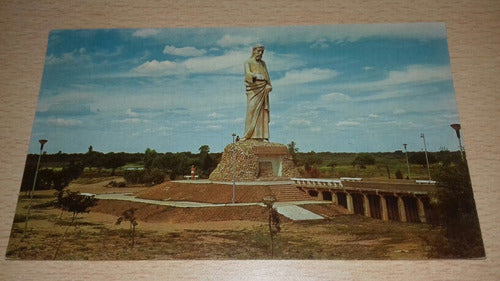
[257, 117]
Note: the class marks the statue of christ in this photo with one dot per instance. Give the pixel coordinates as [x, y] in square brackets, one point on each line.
[258, 87]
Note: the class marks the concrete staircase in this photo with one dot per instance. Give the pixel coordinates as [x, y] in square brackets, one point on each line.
[290, 193]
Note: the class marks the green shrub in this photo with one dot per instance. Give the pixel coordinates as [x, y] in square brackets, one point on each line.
[399, 174]
[152, 177]
[116, 184]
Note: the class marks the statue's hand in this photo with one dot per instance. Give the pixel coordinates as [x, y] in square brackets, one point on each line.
[259, 77]
[269, 88]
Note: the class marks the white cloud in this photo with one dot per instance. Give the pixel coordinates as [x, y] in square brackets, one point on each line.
[236, 40]
[300, 123]
[184, 51]
[392, 85]
[162, 131]
[214, 127]
[331, 34]
[372, 115]
[398, 111]
[411, 124]
[132, 121]
[321, 43]
[60, 122]
[347, 123]
[418, 74]
[366, 68]
[155, 67]
[306, 76]
[145, 32]
[74, 57]
[231, 62]
[131, 113]
[64, 98]
[335, 97]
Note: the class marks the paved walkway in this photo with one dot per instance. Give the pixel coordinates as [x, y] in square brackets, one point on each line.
[290, 210]
[181, 204]
[295, 212]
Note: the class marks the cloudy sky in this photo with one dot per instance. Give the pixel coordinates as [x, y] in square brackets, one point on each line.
[341, 88]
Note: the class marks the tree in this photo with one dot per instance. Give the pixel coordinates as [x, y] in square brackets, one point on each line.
[293, 150]
[129, 215]
[134, 176]
[207, 163]
[29, 173]
[180, 164]
[399, 174]
[204, 149]
[112, 161]
[44, 179]
[93, 158]
[76, 203]
[447, 157]
[457, 214]
[273, 220]
[363, 159]
[149, 156]
[419, 158]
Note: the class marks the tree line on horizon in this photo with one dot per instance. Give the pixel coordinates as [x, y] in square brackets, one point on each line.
[59, 169]
[151, 167]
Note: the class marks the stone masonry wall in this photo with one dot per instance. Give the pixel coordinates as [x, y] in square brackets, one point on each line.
[247, 162]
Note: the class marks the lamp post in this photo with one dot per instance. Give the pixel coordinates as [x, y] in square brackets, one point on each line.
[457, 127]
[407, 162]
[234, 168]
[42, 143]
[426, 158]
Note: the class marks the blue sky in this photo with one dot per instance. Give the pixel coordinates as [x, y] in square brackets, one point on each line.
[340, 88]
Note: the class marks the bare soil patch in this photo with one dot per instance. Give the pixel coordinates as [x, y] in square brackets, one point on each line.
[326, 210]
[100, 186]
[205, 192]
[166, 214]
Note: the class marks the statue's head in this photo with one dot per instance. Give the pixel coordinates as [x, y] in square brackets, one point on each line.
[258, 51]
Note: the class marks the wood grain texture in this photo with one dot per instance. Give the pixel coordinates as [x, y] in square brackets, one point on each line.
[473, 38]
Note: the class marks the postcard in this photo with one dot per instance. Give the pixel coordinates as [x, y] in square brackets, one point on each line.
[331, 142]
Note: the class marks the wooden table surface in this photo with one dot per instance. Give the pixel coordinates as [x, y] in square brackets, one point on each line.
[473, 38]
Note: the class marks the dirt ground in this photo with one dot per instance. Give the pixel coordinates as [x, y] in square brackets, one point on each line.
[229, 232]
[100, 186]
[155, 213]
[205, 192]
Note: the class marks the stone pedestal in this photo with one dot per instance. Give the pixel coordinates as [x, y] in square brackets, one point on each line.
[253, 160]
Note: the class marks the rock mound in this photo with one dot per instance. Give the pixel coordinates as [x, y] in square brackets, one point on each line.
[254, 160]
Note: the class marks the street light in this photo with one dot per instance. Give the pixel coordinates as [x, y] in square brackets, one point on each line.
[457, 127]
[234, 168]
[426, 158]
[42, 143]
[407, 162]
